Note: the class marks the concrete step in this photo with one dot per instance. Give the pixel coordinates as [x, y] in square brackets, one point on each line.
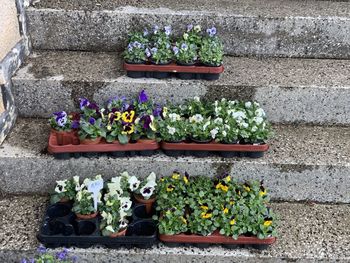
[290, 90]
[303, 163]
[307, 233]
[317, 29]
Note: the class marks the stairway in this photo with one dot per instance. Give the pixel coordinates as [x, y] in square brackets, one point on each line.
[288, 55]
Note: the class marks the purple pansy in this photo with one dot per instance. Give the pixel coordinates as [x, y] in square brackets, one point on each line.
[211, 31]
[184, 46]
[146, 121]
[83, 103]
[189, 27]
[24, 260]
[175, 50]
[92, 121]
[147, 52]
[155, 29]
[130, 47]
[154, 50]
[75, 124]
[41, 249]
[145, 32]
[143, 97]
[137, 44]
[157, 111]
[167, 30]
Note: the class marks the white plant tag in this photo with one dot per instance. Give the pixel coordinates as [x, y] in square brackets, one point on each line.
[95, 187]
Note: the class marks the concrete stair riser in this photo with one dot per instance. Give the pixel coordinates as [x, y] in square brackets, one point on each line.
[290, 90]
[298, 30]
[304, 163]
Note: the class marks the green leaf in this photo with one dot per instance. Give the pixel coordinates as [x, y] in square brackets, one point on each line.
[123, 139]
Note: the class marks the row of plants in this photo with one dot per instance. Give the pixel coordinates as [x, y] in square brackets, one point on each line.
[44, 256]
[201, 206]
[128, 120]
[160, 47]
[113, 202]
[193, 205]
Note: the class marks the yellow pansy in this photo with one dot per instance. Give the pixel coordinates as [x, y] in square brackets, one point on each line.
[262, 193]
[184, 220]
[117, 115]
[185, 180]
[247, 188]
[170, 188]
[206, 215]
[225, 210]
[165, 111]
[175, 176]
[232, 202]
[128, 129]
[267, 223]
[232, 222]
[204, 207]
[228, 179]
[128, 116]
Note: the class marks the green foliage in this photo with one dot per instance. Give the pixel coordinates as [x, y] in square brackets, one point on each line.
[91, 131]
[84, 203]
[207, 205]
[211, 51]
[185, 52]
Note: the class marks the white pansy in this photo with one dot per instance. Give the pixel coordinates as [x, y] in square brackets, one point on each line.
[123, 223]
[244, 125]
[248, 104]
[196, 98]
[134, 183]
[258, 120]
[224, 133]
[197, 118]
[115, 186]
[125, 203]
[125, 174]
[256, 104]
[110, 229]
[254, 129]
[205, 126]
[218, 121]
[152, 125]
[216, 103]
[151, 179]
[147, 191]
[174, 117]
[260, 112]
[223, 100]
[213, 132]
[137, 120]
[197, 28]
[171, 130]
[122, 213]
[79, 196]
[61, 186]
[238, 115]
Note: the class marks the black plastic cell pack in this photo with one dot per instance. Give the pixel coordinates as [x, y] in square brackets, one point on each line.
[224, 154]
[60, 227]
[180, 75]
[118, 154]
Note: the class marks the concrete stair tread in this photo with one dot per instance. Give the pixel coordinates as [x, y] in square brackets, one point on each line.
[239, 71]
[264, 8]
[304, 162]
[290, 90]
[307, 233]
[304, 145]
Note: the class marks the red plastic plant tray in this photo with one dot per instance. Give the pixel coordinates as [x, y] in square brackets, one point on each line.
[173, 67]
[54, 148]
[213, 146]
[215, 238]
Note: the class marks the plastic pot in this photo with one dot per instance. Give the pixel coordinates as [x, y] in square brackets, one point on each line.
[91, 141]
[148, 203]
[85, 217]
[118, 234]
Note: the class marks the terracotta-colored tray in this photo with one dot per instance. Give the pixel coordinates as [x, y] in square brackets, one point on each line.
[213, 146]
[75, 147]
[173, 67]
[216, 238]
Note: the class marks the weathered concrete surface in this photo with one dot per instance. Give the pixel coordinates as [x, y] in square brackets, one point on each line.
[307, 233]
[9, 29]
[290, 90]
[303, 163]
[318, 29]
[8, 110]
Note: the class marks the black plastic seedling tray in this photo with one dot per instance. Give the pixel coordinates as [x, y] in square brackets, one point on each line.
[61, 228]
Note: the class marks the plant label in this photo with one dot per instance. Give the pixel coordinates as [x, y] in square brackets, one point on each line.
[95, 187]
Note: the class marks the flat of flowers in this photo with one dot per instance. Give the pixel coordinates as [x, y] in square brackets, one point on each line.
[193, 72]
[215, 238]
[214, 146]
[103, 146]
[60, 227]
